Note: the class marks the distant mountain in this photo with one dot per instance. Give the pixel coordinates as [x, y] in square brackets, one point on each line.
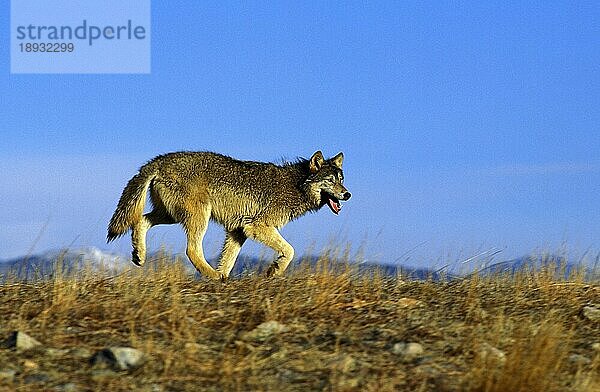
[66, 261]
[558, 265]
[406, 272]
[69, 261]
[411, 273]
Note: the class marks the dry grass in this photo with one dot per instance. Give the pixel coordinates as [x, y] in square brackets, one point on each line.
[341, 329]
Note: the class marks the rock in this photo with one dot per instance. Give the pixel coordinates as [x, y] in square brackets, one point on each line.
[489, 352]
[579, 360]
[36, 378]
[7, 375]
[20, 341]
[154, 388]
[118, 358]
[264, 331]
[290, 376]
[591, 313]
[67, 387]
[30, 365]
[409, 351]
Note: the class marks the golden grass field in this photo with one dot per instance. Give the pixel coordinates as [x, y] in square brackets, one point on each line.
[339, 330]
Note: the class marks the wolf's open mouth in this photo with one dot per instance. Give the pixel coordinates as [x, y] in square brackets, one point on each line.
[334, 204]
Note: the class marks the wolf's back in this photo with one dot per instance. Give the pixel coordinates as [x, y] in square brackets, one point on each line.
[131, 204]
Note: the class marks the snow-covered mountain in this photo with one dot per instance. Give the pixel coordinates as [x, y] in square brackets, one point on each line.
[69, 261]
[66, 261]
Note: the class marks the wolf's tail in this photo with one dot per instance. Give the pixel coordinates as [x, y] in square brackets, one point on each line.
[131, 204]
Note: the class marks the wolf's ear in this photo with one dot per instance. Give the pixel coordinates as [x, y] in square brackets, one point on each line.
[316, 161]
[338, 160]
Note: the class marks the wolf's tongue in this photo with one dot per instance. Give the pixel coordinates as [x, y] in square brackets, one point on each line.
[334, 205]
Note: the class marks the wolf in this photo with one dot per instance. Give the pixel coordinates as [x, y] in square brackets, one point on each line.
[249, 199]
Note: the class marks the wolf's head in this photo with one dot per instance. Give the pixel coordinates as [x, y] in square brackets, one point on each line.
[325, 183]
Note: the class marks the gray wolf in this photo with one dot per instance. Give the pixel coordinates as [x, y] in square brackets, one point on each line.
[249, 199]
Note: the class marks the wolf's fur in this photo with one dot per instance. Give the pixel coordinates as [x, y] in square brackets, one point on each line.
[250, 199]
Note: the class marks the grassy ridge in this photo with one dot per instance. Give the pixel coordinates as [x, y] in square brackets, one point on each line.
[340, 330]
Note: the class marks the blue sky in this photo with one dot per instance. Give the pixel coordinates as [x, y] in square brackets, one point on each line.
[465, 127]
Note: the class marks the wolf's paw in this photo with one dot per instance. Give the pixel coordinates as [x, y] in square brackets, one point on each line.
[135, 258]
[273, 270]
[221, 275]
[216, 275]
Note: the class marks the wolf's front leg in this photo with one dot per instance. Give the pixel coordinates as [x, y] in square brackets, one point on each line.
[231, 248]
[269, 236]
[195, 226]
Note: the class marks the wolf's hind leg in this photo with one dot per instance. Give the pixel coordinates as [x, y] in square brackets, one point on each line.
[195, 226]
[270, 236]
[138, 240]
[231, 249]
[157, 216]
